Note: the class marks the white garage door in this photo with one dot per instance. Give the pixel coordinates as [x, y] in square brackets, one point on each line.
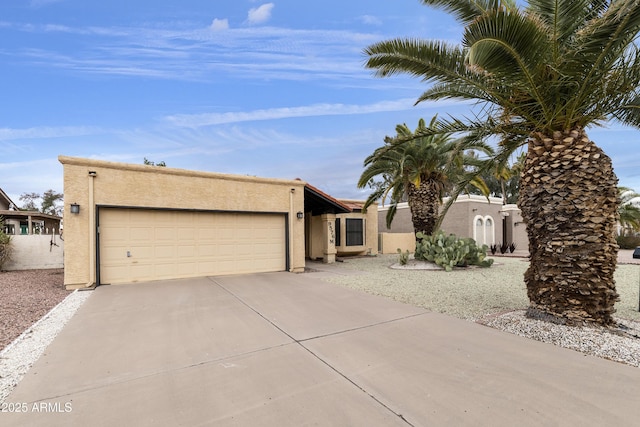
[143, 245]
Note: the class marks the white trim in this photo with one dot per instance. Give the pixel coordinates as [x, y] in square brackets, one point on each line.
[492, 231]
[467, 198]
[475, 227]
[485, 236]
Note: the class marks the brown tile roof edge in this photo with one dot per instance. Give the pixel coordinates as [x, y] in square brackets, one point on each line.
[326, 196]
[354, 205]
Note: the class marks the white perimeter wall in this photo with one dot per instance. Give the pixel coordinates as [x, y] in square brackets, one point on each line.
[35, 252]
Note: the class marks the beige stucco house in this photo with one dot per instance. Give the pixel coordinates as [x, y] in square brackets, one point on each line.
[129, 223]
[487, 221]
[350, 229]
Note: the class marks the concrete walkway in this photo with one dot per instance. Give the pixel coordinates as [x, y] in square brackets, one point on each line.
[282, 349]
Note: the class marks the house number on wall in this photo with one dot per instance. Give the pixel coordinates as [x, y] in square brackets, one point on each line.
[332, 235]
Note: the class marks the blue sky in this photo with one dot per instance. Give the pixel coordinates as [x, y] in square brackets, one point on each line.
[272, 89]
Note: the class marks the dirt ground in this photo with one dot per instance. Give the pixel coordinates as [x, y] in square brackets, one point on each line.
[26, 296]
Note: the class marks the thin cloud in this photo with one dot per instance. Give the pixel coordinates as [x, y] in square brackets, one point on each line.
[219, 24]
[370, 20]
[9, 134]
[19, 177]
[210, 119]
[200, 54]
[260, 14]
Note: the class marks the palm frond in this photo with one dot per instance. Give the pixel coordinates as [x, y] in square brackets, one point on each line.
[565, 18]
[510, 46]
[467, 11]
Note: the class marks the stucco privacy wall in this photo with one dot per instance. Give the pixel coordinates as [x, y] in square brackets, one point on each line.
[389, 243]
[91, 183]
[36, 252]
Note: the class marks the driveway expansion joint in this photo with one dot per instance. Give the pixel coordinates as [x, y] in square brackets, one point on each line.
[320, 359]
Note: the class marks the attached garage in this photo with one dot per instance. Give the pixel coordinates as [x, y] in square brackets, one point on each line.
[143, 245]
[137, 223]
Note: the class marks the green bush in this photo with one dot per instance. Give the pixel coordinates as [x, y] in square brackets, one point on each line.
[5, 248]
[628, 242]
[451, 251]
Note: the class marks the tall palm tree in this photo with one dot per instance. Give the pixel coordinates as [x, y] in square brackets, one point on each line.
[543, 74]
[629, 212]
[420, 170]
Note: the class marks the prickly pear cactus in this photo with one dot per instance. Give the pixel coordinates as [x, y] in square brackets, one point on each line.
[450, 251]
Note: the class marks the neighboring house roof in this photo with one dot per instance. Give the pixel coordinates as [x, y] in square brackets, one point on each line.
[317, 202]
[14, 213]
[7, 201]
[35, 215]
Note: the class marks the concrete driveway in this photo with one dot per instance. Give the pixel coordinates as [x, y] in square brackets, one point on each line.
[282, 349]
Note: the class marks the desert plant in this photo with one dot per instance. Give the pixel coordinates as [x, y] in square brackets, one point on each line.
[419, 170]
[543, 73]
[5, 246]
[494, 249]
[628, 242]
[512, 247]
[504, 248]
[450, 251]
[403, 257]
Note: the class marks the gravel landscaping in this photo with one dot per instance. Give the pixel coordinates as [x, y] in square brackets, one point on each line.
[497, 297]
[26, 296]
[34, 307]
[471, 293]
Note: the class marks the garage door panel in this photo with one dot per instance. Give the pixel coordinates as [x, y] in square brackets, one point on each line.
[165, 251]
[168, 244]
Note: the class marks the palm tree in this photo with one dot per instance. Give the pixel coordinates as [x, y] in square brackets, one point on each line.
[629, 212]
[543, 74]
[420, 170]
[503, 180]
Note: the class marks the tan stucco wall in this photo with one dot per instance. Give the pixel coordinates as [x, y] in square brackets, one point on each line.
[518, 228]
[370, 246]
[391, 242]
[129, 185]
[36, 252]
[314, 235]
[459, 219]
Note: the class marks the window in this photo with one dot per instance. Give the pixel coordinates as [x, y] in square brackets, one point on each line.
[338, 241]
[9, 229]
[355, 231]
[489, 235]
[478, 229]
[483, 230]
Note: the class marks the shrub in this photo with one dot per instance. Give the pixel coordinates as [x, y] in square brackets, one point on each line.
[628, 242]
[451, 251]
[5, 248]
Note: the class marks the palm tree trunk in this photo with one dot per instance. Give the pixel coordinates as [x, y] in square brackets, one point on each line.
[423, 203]
[569, 201]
